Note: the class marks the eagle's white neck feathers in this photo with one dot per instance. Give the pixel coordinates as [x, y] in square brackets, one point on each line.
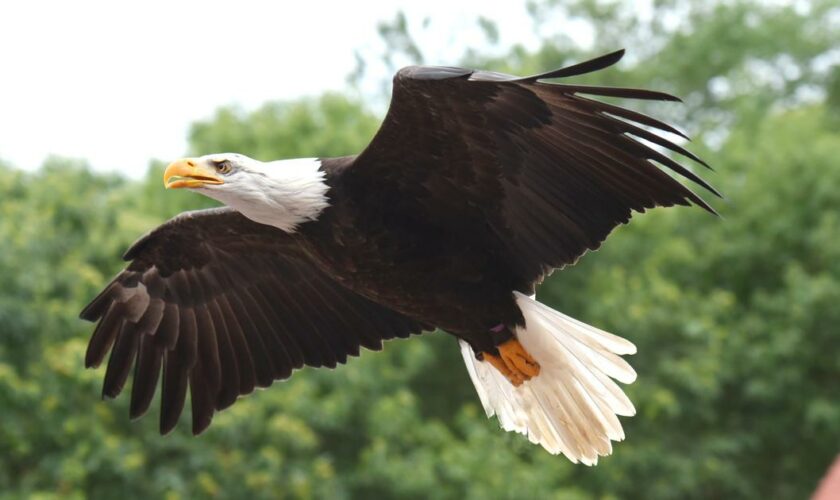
[283, 193]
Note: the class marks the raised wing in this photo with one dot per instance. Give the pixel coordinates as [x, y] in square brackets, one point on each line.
[222, 305]
[547, 171]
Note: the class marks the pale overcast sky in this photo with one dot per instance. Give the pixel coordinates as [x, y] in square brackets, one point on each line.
[118, 83]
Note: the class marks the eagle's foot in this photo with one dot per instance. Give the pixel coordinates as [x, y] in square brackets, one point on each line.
[514, 362]
[515, 378]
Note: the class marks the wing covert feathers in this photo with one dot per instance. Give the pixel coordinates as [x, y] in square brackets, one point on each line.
[572, 406]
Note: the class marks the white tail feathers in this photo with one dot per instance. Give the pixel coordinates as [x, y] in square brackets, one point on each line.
[571, 407]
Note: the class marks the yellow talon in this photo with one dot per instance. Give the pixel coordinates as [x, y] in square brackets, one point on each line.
[514, 362]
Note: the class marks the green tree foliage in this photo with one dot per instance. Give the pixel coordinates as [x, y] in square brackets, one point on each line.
[735, 317]
[331, 125]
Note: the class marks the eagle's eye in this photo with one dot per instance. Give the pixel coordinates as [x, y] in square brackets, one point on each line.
[223, 167]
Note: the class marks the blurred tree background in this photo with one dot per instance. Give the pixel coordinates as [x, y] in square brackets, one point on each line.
[737, 319]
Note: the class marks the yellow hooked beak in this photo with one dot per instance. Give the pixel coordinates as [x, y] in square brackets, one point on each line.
[189, 173]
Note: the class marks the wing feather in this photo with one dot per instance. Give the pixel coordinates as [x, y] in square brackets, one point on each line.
[548, 170]
[173, 390]
[146, 375]
[221, 305]
[119, 364]
[228, 361]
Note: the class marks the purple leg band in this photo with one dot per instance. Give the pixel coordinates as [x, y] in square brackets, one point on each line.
[500, 334]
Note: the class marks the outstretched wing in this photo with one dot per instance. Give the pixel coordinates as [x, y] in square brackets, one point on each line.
[548, 172]
[222, 305]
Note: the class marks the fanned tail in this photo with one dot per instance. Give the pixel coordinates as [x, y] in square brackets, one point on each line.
[571, 407]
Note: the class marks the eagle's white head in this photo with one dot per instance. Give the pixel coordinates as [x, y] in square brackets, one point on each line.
[284, 193]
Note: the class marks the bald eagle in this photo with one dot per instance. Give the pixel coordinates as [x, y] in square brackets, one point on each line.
[476, 186]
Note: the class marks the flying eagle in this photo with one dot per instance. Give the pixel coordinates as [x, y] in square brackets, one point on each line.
[476, 186]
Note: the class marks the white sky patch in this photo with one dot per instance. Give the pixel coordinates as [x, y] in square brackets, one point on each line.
[119, 83]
